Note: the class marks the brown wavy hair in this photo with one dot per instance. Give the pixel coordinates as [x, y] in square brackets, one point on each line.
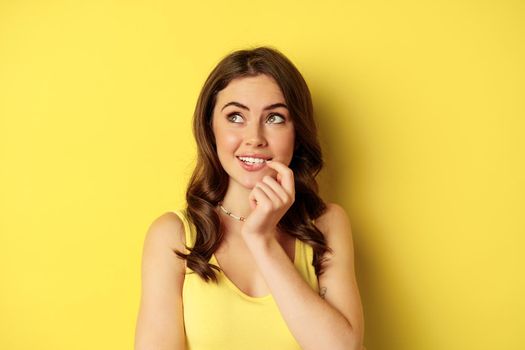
[209, 181]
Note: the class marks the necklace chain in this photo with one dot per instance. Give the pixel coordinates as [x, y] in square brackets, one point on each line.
[229, 213]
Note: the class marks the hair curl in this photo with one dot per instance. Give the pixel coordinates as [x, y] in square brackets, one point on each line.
[209, 181]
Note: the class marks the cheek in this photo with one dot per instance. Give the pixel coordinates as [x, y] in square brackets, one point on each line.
[286, 142]
[227, 141]
[283, 145]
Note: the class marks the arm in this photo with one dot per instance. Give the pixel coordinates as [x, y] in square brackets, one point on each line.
[332, 321]
[160, 324]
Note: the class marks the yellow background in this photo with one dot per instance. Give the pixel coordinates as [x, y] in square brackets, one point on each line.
[421, 115]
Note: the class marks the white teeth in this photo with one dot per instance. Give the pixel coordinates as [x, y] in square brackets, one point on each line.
[252, 160]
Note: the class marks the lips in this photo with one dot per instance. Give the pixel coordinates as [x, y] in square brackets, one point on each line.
[252, 167]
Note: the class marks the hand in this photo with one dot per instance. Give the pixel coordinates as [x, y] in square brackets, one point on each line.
[269, 200]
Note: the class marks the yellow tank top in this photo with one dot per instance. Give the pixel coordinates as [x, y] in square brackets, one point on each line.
[222, 317]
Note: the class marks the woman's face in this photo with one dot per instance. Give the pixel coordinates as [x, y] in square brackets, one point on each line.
[250, 117]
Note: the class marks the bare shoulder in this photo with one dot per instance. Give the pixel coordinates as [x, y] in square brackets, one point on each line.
[164, 236]
[334, 217]
[337, 230]
[167, 230]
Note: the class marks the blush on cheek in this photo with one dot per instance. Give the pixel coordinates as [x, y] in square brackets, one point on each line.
[230, 139]
[230, 143]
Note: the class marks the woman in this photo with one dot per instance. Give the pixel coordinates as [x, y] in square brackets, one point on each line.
[256, 260]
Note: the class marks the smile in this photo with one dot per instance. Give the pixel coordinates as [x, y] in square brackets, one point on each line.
[252, 164]
[251, 160]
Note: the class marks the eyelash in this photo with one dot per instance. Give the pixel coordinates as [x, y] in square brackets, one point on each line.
[271, 115]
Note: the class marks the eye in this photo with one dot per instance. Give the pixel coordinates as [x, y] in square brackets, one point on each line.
[272, 117]
[232, 115]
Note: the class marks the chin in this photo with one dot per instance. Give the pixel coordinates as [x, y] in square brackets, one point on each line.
[249, 182]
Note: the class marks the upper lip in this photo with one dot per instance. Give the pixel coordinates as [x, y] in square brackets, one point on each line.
[255, 155]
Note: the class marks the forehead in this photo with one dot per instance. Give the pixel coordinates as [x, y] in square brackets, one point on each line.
[252, 89]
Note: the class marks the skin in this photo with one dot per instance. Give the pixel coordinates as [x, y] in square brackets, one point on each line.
[245, 130]
[263, 197]
[332, 319]
[270, 132]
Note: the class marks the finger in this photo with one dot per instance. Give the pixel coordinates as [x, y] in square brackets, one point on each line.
[274, 197]
[277, 188]
[261, 198]
[252, 200]
[287, 179]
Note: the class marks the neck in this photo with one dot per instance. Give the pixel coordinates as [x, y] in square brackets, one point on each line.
[236, 201]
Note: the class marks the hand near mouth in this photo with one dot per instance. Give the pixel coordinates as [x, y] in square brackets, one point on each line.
[269, 200]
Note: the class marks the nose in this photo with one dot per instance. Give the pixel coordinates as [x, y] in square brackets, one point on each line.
[254, 135]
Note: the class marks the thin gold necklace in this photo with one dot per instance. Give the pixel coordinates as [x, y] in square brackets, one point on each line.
[240, 218]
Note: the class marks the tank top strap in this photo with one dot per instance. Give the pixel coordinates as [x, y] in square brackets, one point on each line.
[309, 251]
[309, 254]
[304, 263]
[189, 234]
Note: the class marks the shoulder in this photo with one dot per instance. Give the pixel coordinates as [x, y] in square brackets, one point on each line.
[332, 220]
[335, 225]
[167, 230]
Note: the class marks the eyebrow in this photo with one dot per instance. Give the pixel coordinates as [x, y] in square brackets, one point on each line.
[240, 105]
